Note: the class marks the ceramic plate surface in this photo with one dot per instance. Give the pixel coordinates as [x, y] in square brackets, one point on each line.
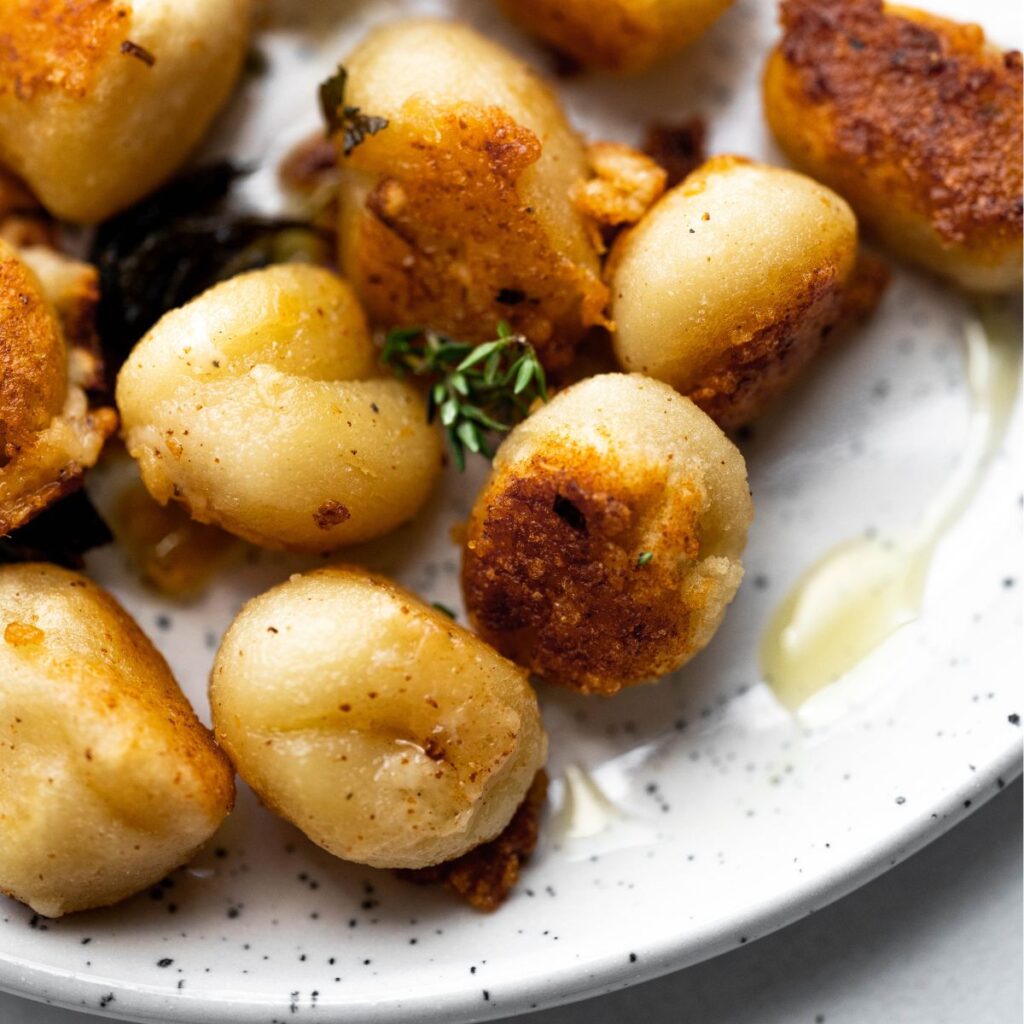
[725, 814]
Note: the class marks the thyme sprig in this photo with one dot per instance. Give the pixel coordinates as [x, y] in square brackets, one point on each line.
[475, 390]
[353, 125]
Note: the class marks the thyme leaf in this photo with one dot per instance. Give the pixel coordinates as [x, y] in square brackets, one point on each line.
[353, 125]
[474, 390]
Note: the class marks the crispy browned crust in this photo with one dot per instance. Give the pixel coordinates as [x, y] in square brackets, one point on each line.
[609, 37]
[484, 877]
[32, 359]
[48, 436]
[550, 569]
[749, 375]
[57, 44]
[446, 241]
[921, 97]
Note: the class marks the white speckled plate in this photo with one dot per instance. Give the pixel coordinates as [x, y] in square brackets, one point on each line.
[735, 815]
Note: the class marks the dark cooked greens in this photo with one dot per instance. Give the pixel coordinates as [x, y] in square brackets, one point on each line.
[176, 243]
[61, 534]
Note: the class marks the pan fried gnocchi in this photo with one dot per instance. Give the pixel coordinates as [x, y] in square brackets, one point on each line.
[727, 287]
[459, 213]
[616, 35]
[108, 780]
[101, 101]
[916, 120]
[259, 407]
[48, 432]
[605, 547]
[388, 734]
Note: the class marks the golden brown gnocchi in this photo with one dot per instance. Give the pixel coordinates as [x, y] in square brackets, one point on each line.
[388, 734]
[916, 120]
[617, 35]
[101, 100]
[48, 433]
[606, 544]
[259, 407]
[458, 214]
[108, 780]
[728, 285]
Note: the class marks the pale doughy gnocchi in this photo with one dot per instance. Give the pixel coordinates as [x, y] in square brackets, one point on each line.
[617, 35]
[388, 734]
[606, 544]
[916, 120]
[729, 284]
[108, 780]
[48, 433]
[101, 100]
[257, 406]
[459, 213]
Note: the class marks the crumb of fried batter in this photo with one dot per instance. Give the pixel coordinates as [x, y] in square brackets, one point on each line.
[924, 95]
[678, 148]
[485, 876]
[23, 221]
[625, 185]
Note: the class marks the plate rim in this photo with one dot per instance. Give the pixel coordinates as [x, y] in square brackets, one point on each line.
[146, 1003]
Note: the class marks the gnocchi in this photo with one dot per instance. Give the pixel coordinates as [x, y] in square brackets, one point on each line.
[459, 213]
[108, 780]
[102, 100]
[916, 120]
[259, 407]
[606, 544]
[48, 433]
[727, 287]
[388, 734]
[616, 35]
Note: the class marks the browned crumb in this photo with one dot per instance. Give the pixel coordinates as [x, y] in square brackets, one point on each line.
[412, 267]
[53, 44]
[678, 148]
[625, 185]
[484, 877]
[310, 172]
[330, 514]
[923, 96]
[863, 290]
[23, 221]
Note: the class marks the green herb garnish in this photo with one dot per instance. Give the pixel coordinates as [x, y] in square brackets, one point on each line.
[644, 558]
[474, 389]
[350, 121]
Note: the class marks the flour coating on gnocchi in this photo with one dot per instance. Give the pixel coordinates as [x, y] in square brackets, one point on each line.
[102, 100]
[606, 544]
[391, 736]
[729, 284]
[259, 406]
[459, 213]
[108, 780]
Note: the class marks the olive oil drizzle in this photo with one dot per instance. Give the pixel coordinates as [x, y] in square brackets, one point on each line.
[864, 590]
